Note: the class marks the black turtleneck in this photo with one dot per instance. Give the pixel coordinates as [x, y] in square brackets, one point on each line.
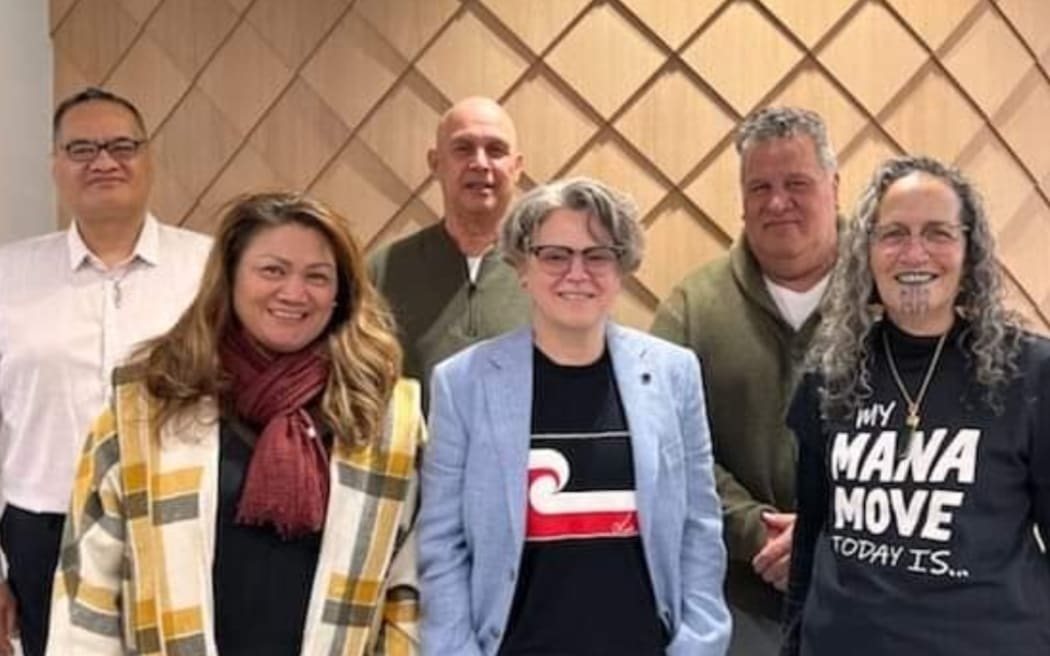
[923, 544]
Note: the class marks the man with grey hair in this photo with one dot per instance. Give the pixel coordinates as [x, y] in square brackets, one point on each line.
[446, 285]
[750, 317]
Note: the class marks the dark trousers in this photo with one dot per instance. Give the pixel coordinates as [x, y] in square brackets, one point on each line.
[31, 542]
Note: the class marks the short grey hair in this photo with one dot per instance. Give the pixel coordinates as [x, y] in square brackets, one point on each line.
[615, 212]
[784, 122]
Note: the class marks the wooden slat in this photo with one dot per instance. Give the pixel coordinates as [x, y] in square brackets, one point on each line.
[342, 97]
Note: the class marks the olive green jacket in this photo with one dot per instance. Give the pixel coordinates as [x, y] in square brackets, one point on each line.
[438, 310]
[750, 358]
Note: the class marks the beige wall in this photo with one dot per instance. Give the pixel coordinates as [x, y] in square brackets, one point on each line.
[341, 97]
[25, 77]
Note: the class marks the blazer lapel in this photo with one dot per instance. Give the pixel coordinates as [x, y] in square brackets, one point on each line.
[508, 395]
[637, 386]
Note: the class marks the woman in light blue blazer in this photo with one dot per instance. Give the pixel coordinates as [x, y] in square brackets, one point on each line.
[569, 506]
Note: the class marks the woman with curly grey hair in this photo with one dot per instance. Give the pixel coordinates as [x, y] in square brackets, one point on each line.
[924, 440]
[568, 495]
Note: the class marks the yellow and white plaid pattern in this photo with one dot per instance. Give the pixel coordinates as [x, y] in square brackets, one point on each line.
[135, 568]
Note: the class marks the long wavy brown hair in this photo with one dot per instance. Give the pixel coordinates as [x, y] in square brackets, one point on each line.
[182, 367]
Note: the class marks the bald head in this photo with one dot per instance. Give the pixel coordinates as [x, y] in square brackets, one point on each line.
[476, 109]
[476, 159]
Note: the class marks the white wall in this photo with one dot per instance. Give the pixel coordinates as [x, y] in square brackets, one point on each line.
[26, 201]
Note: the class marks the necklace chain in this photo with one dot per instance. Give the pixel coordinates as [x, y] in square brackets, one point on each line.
[915, 404]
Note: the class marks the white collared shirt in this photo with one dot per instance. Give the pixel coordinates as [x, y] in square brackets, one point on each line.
[66, 320]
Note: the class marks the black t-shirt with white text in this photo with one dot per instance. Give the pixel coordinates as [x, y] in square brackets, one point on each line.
[924, 545]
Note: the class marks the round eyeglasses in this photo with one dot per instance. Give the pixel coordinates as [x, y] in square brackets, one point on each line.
[934, 236]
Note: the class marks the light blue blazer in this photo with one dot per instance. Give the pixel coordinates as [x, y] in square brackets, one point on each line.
[472, 520]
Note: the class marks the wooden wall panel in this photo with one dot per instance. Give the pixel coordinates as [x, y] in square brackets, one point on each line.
[341, 97]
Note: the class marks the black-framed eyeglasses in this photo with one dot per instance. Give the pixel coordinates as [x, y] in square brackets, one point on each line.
[86, 150]
[557, 260]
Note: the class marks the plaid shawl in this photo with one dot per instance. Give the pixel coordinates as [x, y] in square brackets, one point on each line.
[135, 569]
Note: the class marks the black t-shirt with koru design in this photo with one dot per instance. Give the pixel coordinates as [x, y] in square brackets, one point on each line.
[583, 588]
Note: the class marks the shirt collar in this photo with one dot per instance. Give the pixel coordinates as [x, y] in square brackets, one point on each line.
[147, 247]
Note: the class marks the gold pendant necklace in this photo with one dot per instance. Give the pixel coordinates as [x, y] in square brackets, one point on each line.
[914, 405]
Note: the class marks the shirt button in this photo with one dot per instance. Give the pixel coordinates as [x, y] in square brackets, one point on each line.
[513, 575]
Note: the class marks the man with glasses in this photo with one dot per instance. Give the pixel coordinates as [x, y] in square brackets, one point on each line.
[750, 317]
[446, 285]
[72, 305]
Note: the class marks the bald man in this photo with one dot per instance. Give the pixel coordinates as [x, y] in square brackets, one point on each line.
[446, 285]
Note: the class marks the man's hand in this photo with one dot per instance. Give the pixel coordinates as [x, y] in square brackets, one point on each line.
[773, 562]
[8, 620]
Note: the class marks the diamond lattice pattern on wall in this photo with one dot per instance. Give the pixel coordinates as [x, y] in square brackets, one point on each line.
[341, 98]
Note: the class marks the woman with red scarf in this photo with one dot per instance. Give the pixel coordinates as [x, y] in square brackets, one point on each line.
[250, 488]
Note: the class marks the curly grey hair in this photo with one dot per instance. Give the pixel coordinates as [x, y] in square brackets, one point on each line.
[782, 123]
[616, 213]
[840, 350]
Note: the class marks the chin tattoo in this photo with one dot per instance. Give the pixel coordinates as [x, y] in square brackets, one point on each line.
[914, 301]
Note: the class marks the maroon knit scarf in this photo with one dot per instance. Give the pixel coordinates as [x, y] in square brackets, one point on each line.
[287, 480]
